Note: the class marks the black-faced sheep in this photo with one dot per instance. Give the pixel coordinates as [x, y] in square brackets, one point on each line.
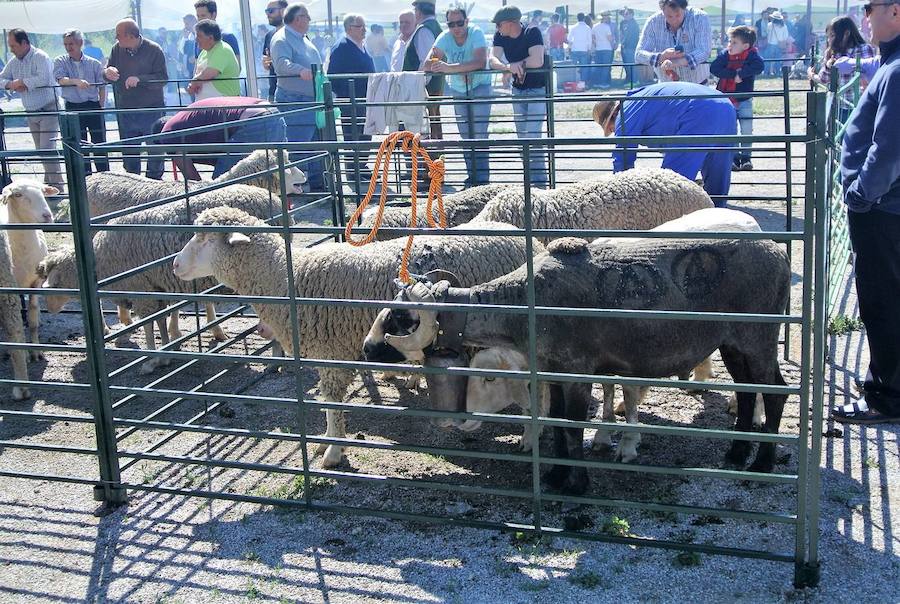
[740, 276]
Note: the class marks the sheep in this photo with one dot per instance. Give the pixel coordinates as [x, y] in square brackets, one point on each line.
[741, 276]
[114, 191]
[636, 199]
[24, 202]
[147, 245]
[256, 264]
[11, 318]
[459, 208]
[490, 394]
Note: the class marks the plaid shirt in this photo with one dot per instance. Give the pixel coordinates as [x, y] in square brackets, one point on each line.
[694, 35]
[36, 70]
[87, 69]
[863, 51]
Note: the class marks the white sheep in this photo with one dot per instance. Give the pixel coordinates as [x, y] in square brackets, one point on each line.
[256, 264]
[636, 199]
[459, 208]
[492, 394]
[144, 246]
[11, 318]
[114, 191]
[24, 202]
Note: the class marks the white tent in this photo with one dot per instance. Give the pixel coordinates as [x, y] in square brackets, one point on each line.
[54, 16]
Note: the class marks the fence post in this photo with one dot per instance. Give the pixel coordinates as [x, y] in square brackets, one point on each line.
[789, 185]
[110, 489]
[336, 184]
[551, 130]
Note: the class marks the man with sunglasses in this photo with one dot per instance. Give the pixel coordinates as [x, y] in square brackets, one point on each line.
[275, 15]
[870, 173]
[461, 52]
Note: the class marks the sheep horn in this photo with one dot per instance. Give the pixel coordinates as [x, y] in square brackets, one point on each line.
[427, 330]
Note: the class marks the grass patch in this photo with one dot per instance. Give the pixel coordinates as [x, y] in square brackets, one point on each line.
[686, 559]
[536, 585]
[617, 527]
[586, 580]
[842, 325]
[294, 488]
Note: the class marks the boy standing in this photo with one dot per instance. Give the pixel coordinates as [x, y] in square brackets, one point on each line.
[737, 67]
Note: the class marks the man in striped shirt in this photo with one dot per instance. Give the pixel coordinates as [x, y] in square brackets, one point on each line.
[30, 73]
[83, 89]
[676, 43]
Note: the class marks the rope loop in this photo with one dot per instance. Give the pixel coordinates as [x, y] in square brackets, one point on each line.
[409, 143]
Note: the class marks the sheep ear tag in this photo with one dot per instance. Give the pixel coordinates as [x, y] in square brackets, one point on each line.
[237, 239]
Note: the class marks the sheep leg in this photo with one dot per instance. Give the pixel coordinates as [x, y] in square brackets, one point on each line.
[630, 440]
[543, 410]
[218, 333]
[174, 329]
[704, 371]
[571, 402]
[335, 426]
[774, 404]
[12, 324]
[602, 437]
[124, 314]
[152, 364]
[34, 320]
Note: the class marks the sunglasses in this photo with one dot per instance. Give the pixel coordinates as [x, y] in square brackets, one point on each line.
[871, 5]
[456, 23]
[269, 11]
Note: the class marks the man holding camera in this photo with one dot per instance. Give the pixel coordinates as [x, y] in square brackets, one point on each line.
[676, 43]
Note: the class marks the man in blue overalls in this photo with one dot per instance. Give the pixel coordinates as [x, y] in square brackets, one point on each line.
[645, 114]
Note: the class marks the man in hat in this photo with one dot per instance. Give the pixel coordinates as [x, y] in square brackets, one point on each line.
[417, 49]
[520, 51]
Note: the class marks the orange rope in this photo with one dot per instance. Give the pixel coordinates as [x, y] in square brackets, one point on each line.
[409, 143]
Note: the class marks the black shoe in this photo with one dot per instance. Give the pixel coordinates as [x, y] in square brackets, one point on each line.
[746, 165]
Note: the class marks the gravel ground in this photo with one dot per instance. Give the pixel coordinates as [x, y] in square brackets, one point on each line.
[56, 545]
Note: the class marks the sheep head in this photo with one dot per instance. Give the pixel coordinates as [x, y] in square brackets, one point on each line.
[26, 201]
[59, 270]
[197, 258]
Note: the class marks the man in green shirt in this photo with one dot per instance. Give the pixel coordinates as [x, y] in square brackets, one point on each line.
[217, 67]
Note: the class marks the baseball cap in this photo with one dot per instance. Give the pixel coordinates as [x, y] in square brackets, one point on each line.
[508, 13]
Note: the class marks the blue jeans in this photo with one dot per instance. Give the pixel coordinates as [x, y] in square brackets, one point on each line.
[557, 54]
[581, 57]
[301, 128]
[477, 160]
[603, 73]
[745, 123]
[630, 73]
[530, 118]
[269, 130]
[139, 124]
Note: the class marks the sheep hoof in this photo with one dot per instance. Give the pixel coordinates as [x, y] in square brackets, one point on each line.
[625, 456]
[602, 441]
[219, 335]
[152, 365]
[320, 449]
[20, 394]
[333, 456]
[732, 405]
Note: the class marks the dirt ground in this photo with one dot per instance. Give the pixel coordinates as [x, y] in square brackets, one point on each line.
[57, 545]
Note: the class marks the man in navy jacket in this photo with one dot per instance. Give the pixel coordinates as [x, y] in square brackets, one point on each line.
[870, 171]
[350, 56]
